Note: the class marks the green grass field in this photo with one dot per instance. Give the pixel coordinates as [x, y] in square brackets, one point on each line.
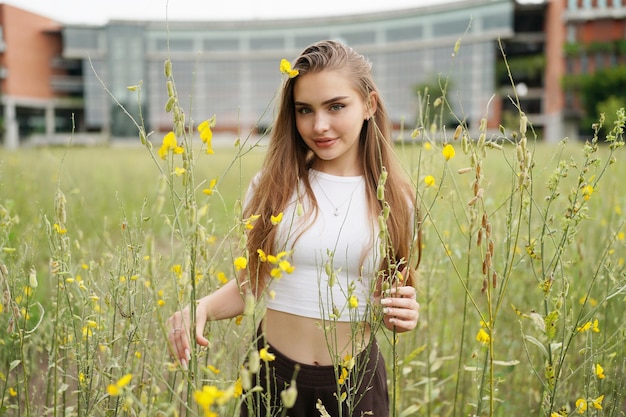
[522, 285]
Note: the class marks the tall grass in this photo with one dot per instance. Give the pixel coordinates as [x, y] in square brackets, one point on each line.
[522, 282]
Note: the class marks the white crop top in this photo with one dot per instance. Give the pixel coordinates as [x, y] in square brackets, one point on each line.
[344, 235]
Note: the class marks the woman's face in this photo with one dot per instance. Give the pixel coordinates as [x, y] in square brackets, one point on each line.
[329, 115]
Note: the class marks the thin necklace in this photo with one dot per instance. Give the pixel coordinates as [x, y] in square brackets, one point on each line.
[336, 212]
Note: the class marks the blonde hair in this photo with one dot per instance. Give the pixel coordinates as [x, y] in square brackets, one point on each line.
[288, 160]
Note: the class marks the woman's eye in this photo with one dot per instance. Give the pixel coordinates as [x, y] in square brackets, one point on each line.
[336, 107]
[303, 110]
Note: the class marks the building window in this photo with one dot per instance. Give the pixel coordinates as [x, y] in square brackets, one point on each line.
[221, 45]
[359, 38]
[305, 40]
[267, 43]
[408, 33]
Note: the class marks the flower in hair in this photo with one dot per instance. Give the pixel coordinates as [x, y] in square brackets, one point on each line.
[285, 68]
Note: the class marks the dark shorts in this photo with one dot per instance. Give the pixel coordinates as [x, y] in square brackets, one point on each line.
[365, 388]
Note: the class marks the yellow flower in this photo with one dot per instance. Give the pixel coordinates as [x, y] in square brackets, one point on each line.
[209, 191]
[429, 180]
[353, 302]
[343, 376]
[59, 229]
[177, 270]
[276, 273]
[125, 380]
[169, 144]
[240, 263]
[427, 146]
[599, 371]
[286, 266]
[213, 369]
[262, 255]
[237, 388]
[207, 397]
[12, 392]
[482, 336]
[597, 403]
[581, 405]
[114, 389]
[221, 277]
[595, 327]
[206, 134]
[266, 356]
[448, 152]
[587, 191]
[621, 236]
[285, 68]
[276, 219]
[179, 171]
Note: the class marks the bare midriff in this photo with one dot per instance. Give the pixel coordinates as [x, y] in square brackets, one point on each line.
[305, 340]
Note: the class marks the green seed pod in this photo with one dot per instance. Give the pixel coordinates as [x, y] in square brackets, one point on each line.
[382, 224]
[386, 210]
[481, 140]
[32, 278]
[254, 361]
[168, 68]
[383, 176]
[59, 205]
[329, 269]
[520, 153]
[169, 104]
[380, 192]
[483, 125]
[179, 129]
[437, 102]
[523, 124]
[465, 144]
[170, 88]
[289, 395]
[457, 132]
[142, 136]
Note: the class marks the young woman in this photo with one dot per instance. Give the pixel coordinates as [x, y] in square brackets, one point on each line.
[350, 230]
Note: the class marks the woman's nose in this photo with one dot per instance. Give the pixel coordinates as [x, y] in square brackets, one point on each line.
[320, 123]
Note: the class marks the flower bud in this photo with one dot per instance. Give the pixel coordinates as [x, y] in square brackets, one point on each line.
[380, 192]
[170, 88]
[170, 104]
[32, 278]
[289, 395]
[523, 123]
[168, 68]
[254, 361]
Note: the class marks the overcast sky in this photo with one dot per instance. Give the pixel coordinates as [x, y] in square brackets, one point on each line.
[101, 11]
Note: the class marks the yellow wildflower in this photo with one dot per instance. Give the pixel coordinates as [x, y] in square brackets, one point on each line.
[240, 263]
[276, 219]
[482, 336]
[599, 371]
[114, 389]
[221, 277]
[206, 134]
[266, 356]
[587, 191]
[448, 152]
[285, 68]
[12, 392]
[213, 369]
[427, 146]
[169, 144]
[262, 255]
[597, 403]
[179, 171]
[209, 191]
[429, 180]
[581, 405]
[343, 376]
[353, 302]
[286, 266]
[60, 230]
[207, 397]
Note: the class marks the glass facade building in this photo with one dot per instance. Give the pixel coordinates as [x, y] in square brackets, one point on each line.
[230, 69]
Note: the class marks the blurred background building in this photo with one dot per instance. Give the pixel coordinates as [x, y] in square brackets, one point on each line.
[56, 78]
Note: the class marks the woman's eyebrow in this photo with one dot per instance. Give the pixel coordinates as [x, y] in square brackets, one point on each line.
[329, 101]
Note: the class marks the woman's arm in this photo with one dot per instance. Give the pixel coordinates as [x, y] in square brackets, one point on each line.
[227, 302]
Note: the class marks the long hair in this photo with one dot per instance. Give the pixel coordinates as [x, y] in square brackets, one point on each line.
[288, 160]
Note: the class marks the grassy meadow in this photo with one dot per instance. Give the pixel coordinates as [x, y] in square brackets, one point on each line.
[521, 284]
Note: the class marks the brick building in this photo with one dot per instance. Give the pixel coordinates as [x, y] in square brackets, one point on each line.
[37, 95]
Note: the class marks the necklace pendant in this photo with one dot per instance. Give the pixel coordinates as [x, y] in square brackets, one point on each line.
[336, 212]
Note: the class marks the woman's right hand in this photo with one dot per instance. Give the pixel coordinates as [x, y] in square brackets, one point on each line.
[179, 333]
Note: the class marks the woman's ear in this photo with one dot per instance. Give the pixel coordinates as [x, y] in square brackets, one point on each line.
[370, 105]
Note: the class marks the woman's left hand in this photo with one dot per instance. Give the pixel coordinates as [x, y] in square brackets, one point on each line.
[400, 309]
